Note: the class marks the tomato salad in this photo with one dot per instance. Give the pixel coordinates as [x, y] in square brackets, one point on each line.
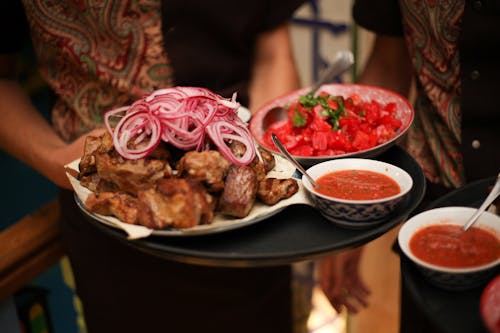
[329, 125]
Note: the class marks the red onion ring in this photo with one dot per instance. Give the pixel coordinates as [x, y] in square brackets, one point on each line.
[184, 117]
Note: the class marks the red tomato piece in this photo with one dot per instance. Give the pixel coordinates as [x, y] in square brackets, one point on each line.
[361, 141]
[302, 150]
[338, 141]
[319, 123]
[320, 140]
[391, 122]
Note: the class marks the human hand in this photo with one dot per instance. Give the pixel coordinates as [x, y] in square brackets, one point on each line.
[340, 281]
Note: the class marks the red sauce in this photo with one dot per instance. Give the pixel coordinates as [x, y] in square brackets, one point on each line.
[357, 185]
[449, 246]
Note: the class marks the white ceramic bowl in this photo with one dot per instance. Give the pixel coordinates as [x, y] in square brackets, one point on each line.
[444, 277]
[357, 213]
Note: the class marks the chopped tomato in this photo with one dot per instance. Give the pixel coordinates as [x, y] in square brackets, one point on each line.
[333, 125]
[302, 150]
[320, 124]
[320, 140]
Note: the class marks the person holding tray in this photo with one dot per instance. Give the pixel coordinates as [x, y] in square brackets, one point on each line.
[449, 51]
[104, 54]
[107, 54]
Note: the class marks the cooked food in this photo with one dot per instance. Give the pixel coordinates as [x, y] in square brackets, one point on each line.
[240, 191]
[449, 246]
[357, 185]
[175, 202]
[119, 204]
[208, 167]
[330, 125]
[272, 190]
[170, 180]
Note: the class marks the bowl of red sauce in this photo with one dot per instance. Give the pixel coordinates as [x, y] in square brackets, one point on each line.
[357, 192]
[447, 256]
[341, 120]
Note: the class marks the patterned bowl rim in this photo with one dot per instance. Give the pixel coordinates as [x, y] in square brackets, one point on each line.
[399, 175]
[447, 215]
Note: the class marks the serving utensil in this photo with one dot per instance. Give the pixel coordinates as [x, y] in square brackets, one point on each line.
[292, 160]
[342, 62]
[494, 193]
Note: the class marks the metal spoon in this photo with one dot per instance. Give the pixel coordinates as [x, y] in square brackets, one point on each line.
[290, 158]
[495, 192]
[342, 62]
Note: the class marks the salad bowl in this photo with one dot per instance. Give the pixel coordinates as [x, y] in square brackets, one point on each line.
[269, 117]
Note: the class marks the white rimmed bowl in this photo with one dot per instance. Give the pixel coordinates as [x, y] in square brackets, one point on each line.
[445, 277]
[264, 117]
[357, 214]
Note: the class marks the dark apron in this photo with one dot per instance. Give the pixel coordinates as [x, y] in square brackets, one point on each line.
[125, 290]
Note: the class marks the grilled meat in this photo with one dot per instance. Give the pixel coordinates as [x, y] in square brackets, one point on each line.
[261, 167]
[131, 176]
[272, 190]
[175, 202]
[240, 191]
[119, 204]
[94, 145]
[146, 191]
[208, 167]
[94, 183]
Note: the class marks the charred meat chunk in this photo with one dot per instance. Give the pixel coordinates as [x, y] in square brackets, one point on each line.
[261, 167]
[240, 191]
[131, 176]
[94, 183]
[92, 146]
[118, 204]
[208, 167]
[267, 159]
[272, 190]
[175, 202]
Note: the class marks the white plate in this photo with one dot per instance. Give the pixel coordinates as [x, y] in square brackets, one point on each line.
[259, 212]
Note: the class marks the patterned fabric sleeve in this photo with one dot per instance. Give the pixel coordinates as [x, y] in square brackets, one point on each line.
[96, 56]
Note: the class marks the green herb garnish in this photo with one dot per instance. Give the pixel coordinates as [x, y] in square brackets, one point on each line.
[298, 119]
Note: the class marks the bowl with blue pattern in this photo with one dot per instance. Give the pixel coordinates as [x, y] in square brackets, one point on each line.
[357, 213]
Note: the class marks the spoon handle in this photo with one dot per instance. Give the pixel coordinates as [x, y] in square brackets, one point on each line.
[341, 63]
[495, 191]
[289, 157]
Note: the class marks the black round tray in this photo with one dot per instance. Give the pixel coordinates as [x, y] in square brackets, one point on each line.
[295, 234]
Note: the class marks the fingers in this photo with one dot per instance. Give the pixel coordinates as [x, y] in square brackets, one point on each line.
[346, 300]
[342, 283]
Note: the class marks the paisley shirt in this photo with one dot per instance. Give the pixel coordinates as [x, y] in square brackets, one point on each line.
[97, 55]
[431, 29]
[101, 54]
[454, 47]
[434, 139]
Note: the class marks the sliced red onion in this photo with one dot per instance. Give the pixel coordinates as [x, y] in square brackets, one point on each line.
[184, 117]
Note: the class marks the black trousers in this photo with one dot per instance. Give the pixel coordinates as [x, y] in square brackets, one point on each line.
[125, 290]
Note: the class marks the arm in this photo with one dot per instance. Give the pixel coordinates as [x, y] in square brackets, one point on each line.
[274, 72]
[26, 135]
[388, 65]
[340, 280]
